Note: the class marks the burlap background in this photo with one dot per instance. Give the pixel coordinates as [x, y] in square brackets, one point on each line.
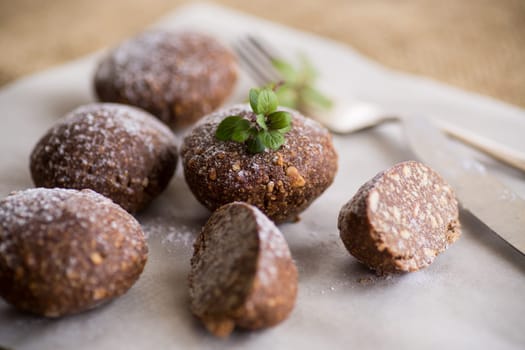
[478, 45]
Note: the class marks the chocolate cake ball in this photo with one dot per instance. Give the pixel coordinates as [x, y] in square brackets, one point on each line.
[116, 150]
[400, 220]
[242, 273]
[282, 183]
[177, 76]
[66, 251]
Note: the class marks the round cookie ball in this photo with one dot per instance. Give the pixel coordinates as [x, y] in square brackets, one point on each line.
[66, 251]
[116, 150]
[242, 272]
[400, 220]
[282, 183]
[177, 76]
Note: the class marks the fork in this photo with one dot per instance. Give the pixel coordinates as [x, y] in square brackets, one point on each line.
[256, 58]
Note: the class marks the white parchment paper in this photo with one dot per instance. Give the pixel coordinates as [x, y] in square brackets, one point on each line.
[472, 297]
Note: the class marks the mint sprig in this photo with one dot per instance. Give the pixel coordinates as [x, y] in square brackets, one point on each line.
[297, 90]
[266, 131]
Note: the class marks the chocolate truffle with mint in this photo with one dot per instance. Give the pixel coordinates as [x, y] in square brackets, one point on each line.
[273, 158]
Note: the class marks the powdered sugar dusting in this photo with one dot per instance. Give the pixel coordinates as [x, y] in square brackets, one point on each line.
[64, 251]
[305, 133]
[221, 172]
[111, 117]
[41, 205]
[171, 234]
[95, 132]
[29, 214]
[144, 55]
[177, 76]
[107, 147]
[179, 237]
[271, 238]
[273, 246]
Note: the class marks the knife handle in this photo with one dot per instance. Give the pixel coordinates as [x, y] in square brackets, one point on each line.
[498, 151]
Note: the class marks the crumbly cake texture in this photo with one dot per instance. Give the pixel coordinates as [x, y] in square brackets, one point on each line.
[400, 220]
[119, 151]
[281, 183]
[242, 272]
[177, 76]
[65, 251]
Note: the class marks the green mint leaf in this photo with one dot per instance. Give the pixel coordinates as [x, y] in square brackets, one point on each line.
[266, 131]
[255, 144]
[287, 71]
[240, 136]
[242, 131]
[254, 96]
[307, 72]
[261, 121]
[272, 139]
[266, 102]
[280, 120]
[287, 96]
[298, 90]
[315, 98]
[227, 127]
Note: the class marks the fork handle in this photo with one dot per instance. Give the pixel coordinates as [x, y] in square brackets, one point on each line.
[498, 151]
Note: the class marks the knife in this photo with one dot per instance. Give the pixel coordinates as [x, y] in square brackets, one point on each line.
[498, 207]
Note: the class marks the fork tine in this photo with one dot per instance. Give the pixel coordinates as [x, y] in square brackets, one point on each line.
[262, 47]
[256, 60]
[264, 54]
[251, 68]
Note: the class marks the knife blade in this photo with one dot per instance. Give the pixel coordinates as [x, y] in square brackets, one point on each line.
[493, 203]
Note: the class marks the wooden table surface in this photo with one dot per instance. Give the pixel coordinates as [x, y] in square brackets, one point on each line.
[478, 45]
